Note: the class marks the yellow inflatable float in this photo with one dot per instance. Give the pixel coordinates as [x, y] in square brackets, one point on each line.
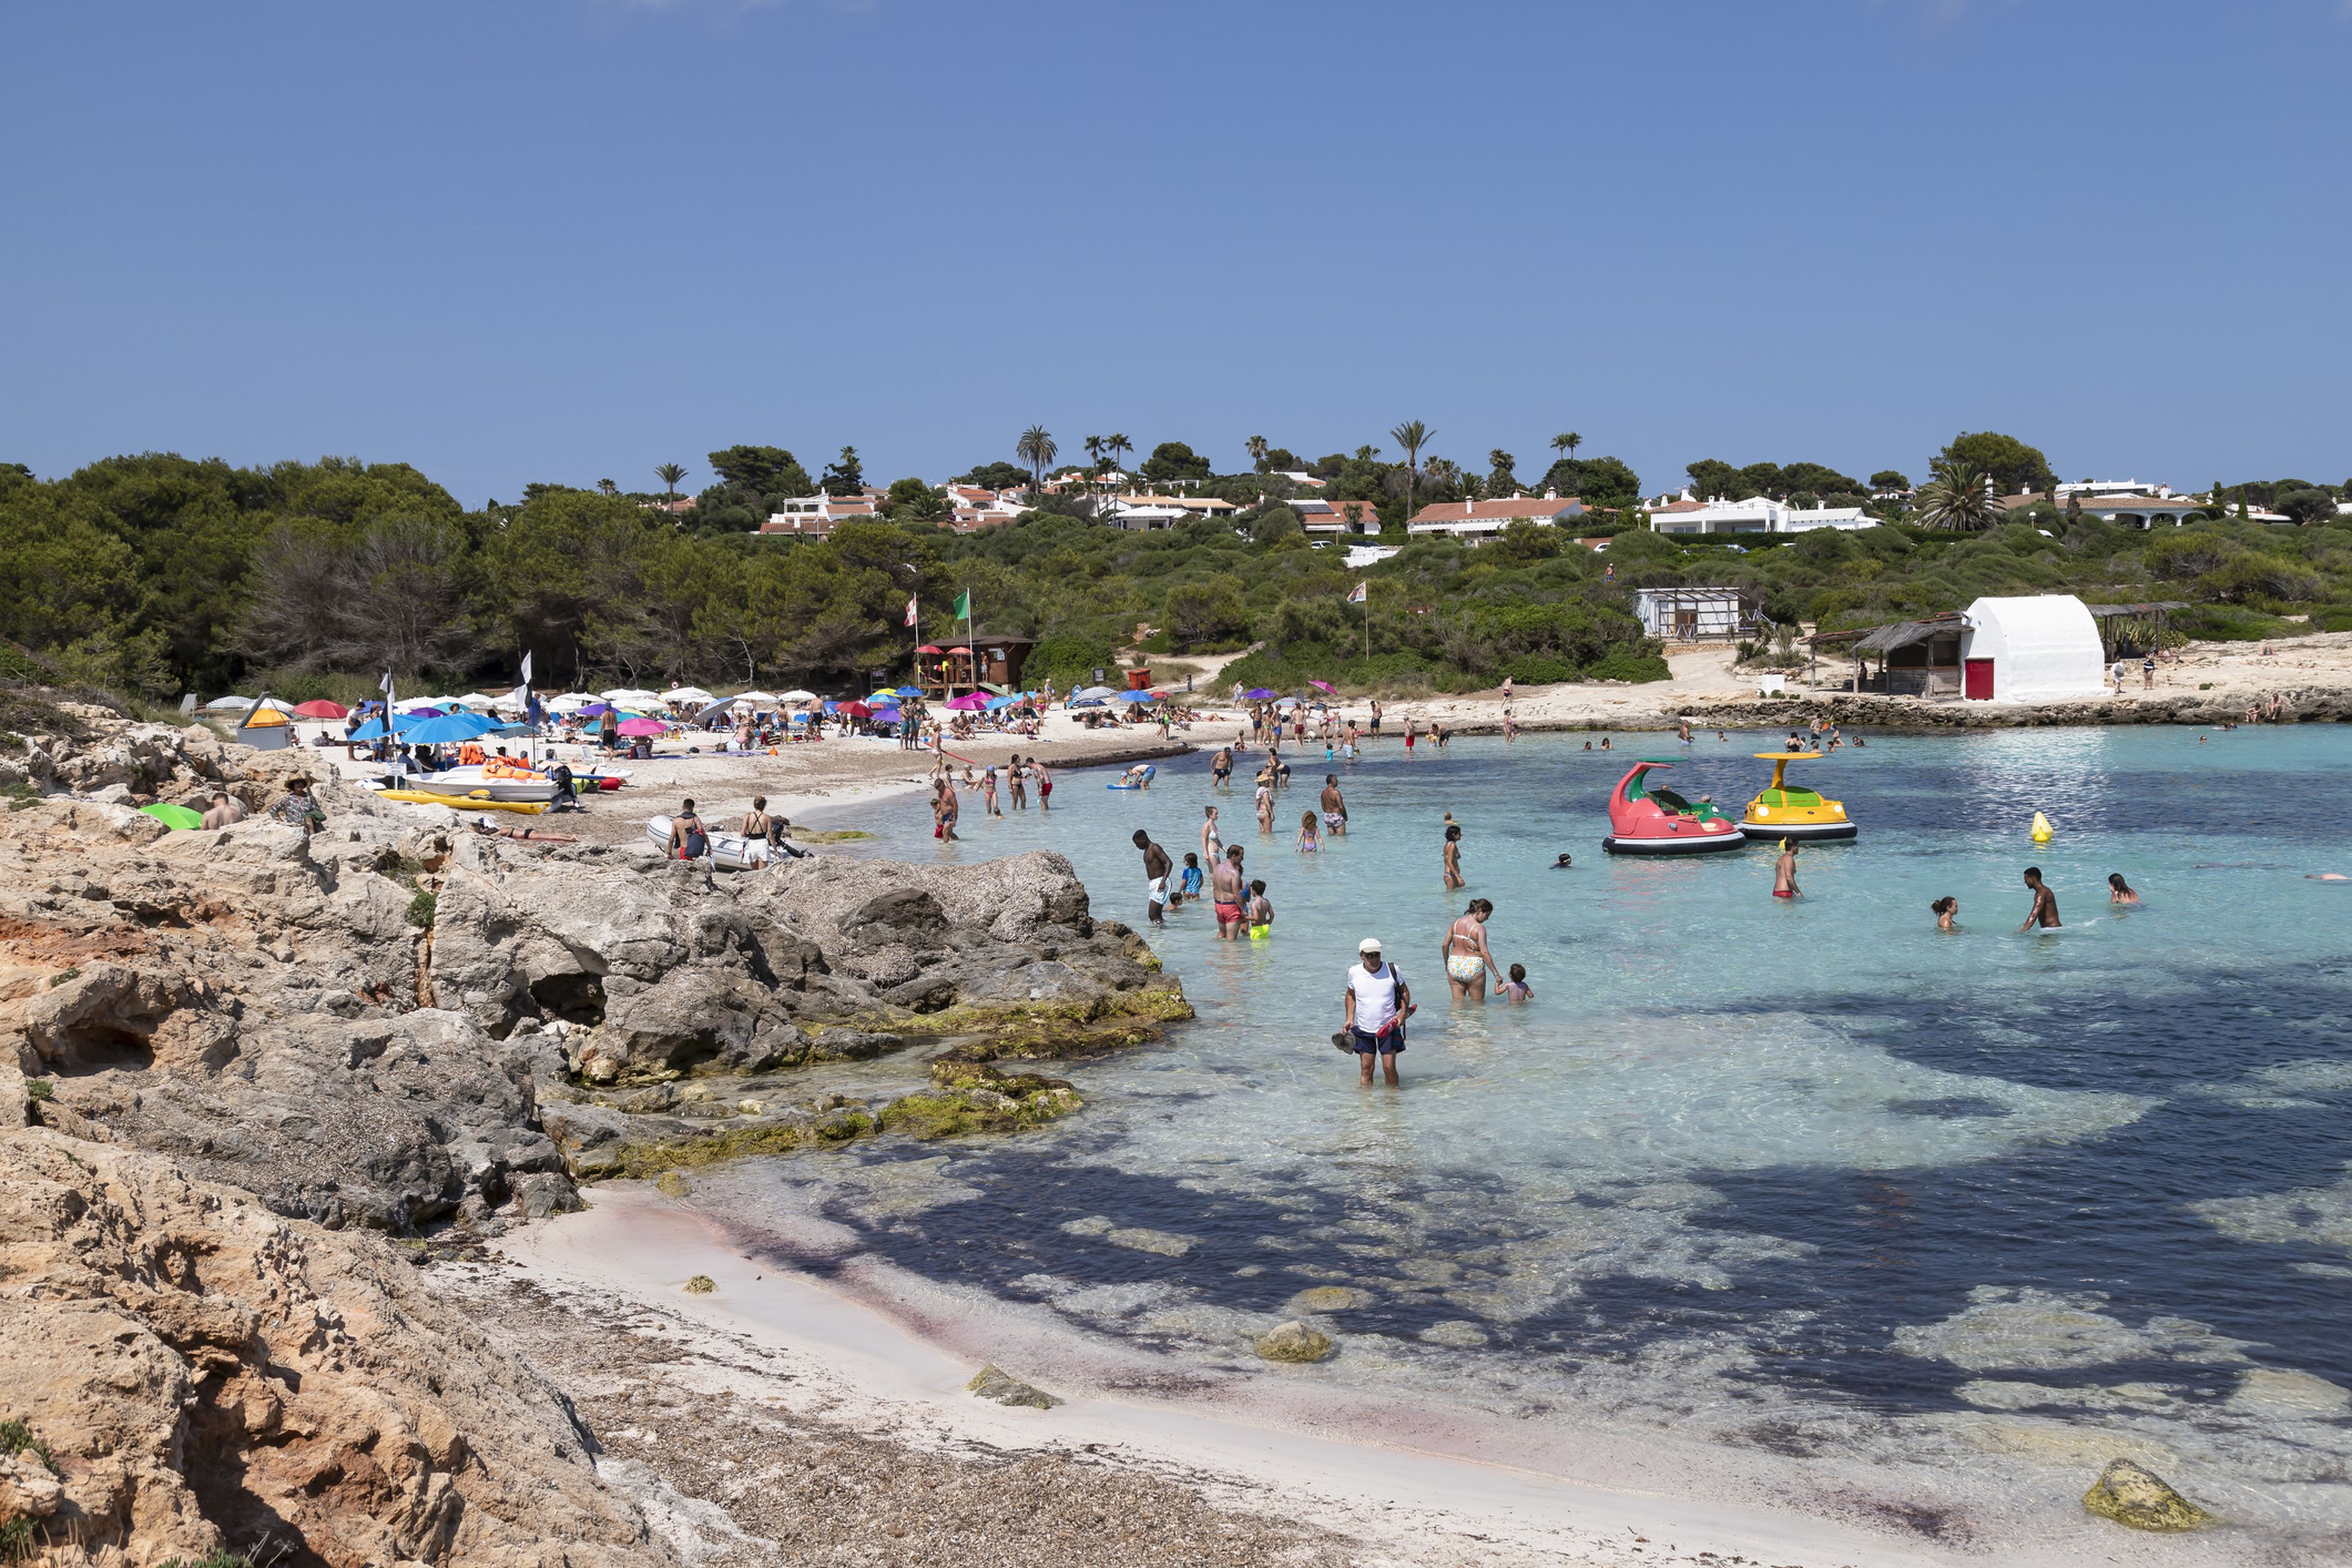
[475, 802]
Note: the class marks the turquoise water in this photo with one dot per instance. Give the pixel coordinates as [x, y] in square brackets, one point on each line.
[1814, 1179]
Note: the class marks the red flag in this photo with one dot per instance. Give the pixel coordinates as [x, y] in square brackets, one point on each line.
[911, 609]
[1358, 596]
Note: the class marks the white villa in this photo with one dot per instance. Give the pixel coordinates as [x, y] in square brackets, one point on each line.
[1757, 514]
[1477, 521]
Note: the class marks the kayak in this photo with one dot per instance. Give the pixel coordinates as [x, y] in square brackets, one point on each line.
[728, 851]
[477, 802]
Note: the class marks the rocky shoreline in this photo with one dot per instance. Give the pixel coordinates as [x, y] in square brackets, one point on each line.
[238, 1066]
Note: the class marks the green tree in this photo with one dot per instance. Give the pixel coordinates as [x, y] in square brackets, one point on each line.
[996, 476]
[1957, 497]
[845, 476]
[1174, 462]
[1565, 443]
[1257, 448]
[1889, 479]
[1500, 478]
[670, 474]
[914, 500]
[1412, 436]
[1119, 446]
[762, 471]
[2305, 506]
[2014, 467]
[1036, 448]
[1203, 613]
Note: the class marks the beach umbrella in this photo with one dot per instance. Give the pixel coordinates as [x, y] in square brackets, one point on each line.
[444, 731]
[930, 647]
[796, 697]
[642, 727]
[909, 691]
[568, 702]
[628, 694]
[757, 698]
[969, 702]
[996, 702]
[401, 724]
[1259, 694]
[1321, 685]
[856, 709]
[172, 816]
[476, 699]
[231, 704]
[1133, 697]
[1094, 691]
[323, 709]
[685, 694]
[887, 715]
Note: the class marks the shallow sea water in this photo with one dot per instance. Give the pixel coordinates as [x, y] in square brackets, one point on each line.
[1813, 1180]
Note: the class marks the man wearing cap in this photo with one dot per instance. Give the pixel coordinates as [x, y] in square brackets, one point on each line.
[1377, 1003]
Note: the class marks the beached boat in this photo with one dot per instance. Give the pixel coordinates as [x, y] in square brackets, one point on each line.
[728, 851]
[478, 801]
[1646, 821]
[1780, 812]
[470, 783]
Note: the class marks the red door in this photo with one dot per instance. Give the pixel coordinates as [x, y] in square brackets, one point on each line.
[1976, 680]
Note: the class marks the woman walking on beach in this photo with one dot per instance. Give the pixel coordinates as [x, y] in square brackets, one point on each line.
[1469, 963]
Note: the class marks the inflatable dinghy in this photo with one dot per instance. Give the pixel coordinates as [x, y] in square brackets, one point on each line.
[477, 801]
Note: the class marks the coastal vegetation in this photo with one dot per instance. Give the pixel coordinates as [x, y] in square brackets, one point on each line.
[154, 574]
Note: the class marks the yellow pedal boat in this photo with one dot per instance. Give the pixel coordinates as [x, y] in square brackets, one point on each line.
[1781, 811]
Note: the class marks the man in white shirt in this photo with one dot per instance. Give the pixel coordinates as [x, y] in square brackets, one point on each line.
[1377, 1003]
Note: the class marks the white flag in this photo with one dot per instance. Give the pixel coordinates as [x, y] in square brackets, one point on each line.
[1358, 596]
[911, 609]
[384, 685]
[526, 670]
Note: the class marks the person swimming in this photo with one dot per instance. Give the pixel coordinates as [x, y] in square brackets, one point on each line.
[2118, 890]
[1566, 862]
[1946, 912]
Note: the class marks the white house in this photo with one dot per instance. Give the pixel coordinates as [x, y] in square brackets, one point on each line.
[1329, 520]
[1139, 518]
[814, 517]
[2034, 648]
[1757, 514]
[1475, 521]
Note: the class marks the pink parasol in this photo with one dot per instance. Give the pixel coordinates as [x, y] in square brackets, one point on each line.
[642, 727]
[969, 702]
[1321, 685]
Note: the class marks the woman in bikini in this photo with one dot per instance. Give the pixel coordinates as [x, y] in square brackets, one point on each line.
[1453, 857]
[1468, 961]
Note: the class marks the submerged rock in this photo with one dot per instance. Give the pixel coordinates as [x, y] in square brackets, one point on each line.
[1293, 1342]
[2139, 1497]
[991, 1383]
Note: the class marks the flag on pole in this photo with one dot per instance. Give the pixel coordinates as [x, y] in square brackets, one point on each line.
[911, 609]
[1358, 596]
[963, 605]
[526, 670]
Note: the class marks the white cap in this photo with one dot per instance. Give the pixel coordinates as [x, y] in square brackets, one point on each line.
[1370, 944]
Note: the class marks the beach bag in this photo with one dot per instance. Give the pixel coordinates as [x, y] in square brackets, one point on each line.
[697, 844]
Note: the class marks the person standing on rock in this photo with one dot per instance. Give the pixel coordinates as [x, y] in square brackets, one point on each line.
[1375, 1006]
[1229, 891]
[1156, 866]
[298, 809]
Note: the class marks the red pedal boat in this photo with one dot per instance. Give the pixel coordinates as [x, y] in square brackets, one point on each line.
[1655, 821]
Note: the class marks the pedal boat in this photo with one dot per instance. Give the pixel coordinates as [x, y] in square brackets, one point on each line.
[1782, 812]
[1656, 821]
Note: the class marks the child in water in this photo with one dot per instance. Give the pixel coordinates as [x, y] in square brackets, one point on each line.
[1258, 913]
[1517, 988]
[1310, 833]
[1188, 882]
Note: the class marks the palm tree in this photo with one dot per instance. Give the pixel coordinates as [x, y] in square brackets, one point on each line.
[1958, 495]
[1412, 436]
[1119, 445]
[1257, 446]
[1036, 448]
[670, 474]
[1094, 445]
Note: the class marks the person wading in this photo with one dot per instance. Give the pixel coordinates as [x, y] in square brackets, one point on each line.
[2044, 911]
[1156, 866]
[1229, 891]
[1468, 963]
[1376, 1005]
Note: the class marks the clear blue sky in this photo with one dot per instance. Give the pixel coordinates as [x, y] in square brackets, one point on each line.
[570, 239]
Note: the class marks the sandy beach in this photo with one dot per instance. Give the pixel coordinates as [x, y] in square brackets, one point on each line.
[813, 1395]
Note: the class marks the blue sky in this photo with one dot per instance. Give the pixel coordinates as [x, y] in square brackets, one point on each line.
[570, 239]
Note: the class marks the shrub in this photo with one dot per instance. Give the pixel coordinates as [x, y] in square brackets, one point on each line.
[1539, 669]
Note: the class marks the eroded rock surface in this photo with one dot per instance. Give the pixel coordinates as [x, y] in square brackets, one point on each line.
[206, 1375]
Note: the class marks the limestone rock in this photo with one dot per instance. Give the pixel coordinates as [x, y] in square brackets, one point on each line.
[212, 1377]
[1293, 1342]
[991, 1383]
[2133, 1496]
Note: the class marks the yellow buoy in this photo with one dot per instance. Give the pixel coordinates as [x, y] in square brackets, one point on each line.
[2043, 831]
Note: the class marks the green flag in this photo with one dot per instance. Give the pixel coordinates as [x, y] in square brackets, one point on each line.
[963, 605]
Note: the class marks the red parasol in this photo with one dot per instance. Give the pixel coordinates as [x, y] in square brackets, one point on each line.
[926, 647]
[323, 709]
[857, 710]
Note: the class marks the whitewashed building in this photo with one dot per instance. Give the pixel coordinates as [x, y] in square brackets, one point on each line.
[1757, 514]
[2037, 648]
[1477, 521]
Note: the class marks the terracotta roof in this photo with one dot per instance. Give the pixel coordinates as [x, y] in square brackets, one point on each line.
[1496, 511]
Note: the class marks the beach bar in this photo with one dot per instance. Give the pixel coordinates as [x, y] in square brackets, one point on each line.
[993, 659]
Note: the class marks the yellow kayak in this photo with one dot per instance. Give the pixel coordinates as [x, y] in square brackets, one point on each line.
[476, 802]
